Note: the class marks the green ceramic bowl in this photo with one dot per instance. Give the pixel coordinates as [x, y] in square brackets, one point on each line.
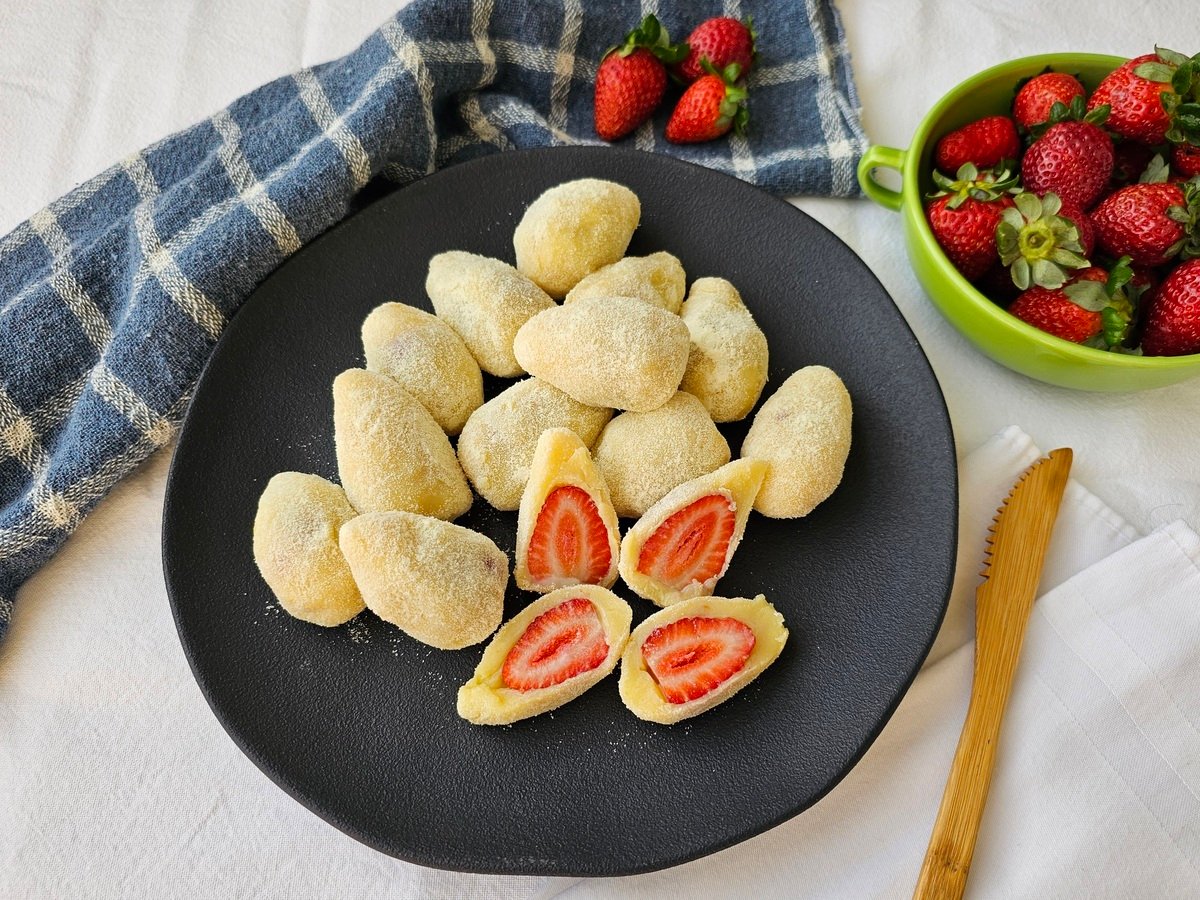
[1001, 336]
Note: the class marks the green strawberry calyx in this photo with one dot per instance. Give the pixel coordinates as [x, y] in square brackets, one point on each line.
[1037, 244]
[1187, 215]
[1182, 102]
[1116, 299]
[733, 104]
[650, 35]
[969, 183]
[1077, 111]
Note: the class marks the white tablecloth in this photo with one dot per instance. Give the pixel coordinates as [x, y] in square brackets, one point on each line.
[115, 780]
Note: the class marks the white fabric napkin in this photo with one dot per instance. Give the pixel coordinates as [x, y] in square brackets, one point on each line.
[1095, 792]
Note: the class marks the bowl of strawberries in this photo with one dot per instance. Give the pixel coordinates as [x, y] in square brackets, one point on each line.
[1051, 211]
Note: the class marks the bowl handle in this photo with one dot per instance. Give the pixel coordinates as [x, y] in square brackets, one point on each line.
[876, 157]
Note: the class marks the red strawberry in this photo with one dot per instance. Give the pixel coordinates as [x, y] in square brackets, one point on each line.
[967, 233]
[632, 79]
[1032, 104]
[711, 106]
[1185, 158]
[569, 541]
[721, 41]
[1072, 159]
[1173, 321]
[983, 143]
[1147, 222]
[561, 643]
[1135, 103]
[1054, 312]
[690, 657]
[690, 545]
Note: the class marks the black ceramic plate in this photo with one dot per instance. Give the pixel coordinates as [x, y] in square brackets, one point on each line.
[358, 723]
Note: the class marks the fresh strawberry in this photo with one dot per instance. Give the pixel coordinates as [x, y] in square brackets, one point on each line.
[569, 541]
[963, 216]
[1051, 310]
[1035, 98]
[1039, 242]
[1129, 162]
[983, 143]
[711, 106]
[1136, 108]
[632, 79]
[690, 657]
[1173, 320]
[1151, 223]
[1185, 159]
[561, 643]
[1073, 160]
[692, 544]
[721, 41]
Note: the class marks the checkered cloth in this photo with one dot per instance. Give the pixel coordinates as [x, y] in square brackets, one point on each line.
[112, 297]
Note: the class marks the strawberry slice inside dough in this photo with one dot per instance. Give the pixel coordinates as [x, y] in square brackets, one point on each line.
[692, 544]
[564, 641]
[569, 540]
[690, 657]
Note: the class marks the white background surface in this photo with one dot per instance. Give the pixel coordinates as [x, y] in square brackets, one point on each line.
[114, 777]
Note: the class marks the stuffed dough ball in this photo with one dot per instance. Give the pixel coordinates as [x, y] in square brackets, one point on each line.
[486, 301]
[427, 358]
[574, 229]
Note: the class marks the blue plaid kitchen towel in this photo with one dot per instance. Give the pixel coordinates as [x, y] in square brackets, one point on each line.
[112, 297]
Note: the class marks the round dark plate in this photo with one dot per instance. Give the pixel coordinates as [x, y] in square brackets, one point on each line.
[358, 723]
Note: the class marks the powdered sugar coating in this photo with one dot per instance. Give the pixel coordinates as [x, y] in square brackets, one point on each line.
[643, 455]
[803, 432]
[391, 454]
[427, 358]
[296, 548]
[658, 279]
[439, 583]
[572, 230]
[485, 300]
[607, 351]
[498, 442]
[727, 364]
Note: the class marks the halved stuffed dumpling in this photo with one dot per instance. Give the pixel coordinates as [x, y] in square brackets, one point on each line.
[567, 527]
[547, 655]
[686, 659]
[683, 544]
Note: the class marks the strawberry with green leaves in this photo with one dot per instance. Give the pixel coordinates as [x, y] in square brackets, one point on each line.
[1035, 99]
[983, 143]
[722, 41]
[1152, 222]
[1040, 240]
[632, 79]
[1173, 319]
[963, 215]
[1094, 308]
[1073, 158]
[712, 106]
[1153, 98]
